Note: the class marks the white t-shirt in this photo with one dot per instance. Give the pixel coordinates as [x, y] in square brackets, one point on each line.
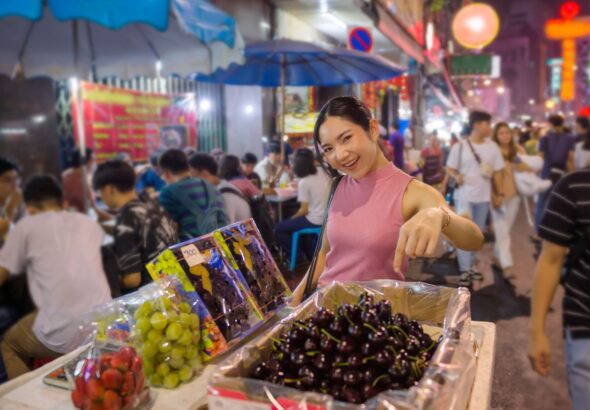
[60, 252]
[581, 156]
[314, 189]
[236, 207]
[476, 187]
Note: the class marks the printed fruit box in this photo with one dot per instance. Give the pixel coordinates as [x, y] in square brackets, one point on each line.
[386, 347]
[246, 251]
[201, 266]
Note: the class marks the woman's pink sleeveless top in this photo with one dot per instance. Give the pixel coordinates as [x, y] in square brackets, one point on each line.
[363, 226]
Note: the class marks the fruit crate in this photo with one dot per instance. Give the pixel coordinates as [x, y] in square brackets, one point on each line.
[446, 383]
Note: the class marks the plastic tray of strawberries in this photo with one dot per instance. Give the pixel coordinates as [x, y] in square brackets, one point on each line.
[439, 372]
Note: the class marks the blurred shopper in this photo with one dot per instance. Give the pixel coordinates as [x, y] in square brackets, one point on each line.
[193, 203]
[504, 215]
[433, 172]
[60, 252]
[77, 192]
[142, 229]
[396, 140]
[149, 179]
[476, 164]
[236, 204]
[582, 152]
[565, 258]
[557, 150]
[272, 173]
[525, 132]
[231, 171]
[11, 203]
[378, 215]
[581, 128]
[249, 161]
[532, 145]
[312, 195]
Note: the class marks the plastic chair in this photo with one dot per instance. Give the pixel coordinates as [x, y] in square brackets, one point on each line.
[295, 243]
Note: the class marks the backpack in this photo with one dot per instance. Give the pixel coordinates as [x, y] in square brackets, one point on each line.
[261, 213]
[207, 217]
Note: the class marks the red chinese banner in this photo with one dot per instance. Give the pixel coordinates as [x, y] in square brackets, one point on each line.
[124, 121]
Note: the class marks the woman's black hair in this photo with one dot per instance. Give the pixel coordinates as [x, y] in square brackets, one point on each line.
[230, 168]
[304, 163]
[349, 108]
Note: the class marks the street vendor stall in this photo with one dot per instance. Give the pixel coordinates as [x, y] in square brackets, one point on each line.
[207, 331]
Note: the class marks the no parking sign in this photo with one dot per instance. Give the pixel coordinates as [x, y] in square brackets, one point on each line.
[360, 39]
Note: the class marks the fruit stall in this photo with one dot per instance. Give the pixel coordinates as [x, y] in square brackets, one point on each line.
[213, 330]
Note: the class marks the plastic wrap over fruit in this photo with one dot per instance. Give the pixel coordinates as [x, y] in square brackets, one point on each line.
[109, 375]
[171, 331]
[201, 266]
[245, 249]
[443, 381]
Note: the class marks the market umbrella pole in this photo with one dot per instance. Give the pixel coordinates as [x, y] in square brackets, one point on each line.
[282, 113]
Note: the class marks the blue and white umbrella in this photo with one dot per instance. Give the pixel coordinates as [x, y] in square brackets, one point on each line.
[120, 37]
[286, 62]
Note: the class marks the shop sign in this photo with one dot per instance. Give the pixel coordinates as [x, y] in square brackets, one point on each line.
[117, 120]
[471, 64]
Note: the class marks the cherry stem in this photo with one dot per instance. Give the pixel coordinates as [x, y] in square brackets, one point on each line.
[392, 349]
[370, 327]
[341, 364]
[347, 318]
[313, 353]
[399, 329]
[378, 379]
[431, 346]
[292, 380]
[324, 331]
[366, 359]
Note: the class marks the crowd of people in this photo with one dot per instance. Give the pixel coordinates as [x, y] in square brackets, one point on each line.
[87, 238]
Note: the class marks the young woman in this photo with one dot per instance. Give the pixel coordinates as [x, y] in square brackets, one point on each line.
[503, 216]
[230, 169]
[312, 194]
[379, 215]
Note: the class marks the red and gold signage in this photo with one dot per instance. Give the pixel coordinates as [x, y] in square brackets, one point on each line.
[118, 121]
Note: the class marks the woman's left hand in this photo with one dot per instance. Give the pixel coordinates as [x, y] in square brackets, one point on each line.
[419, 235]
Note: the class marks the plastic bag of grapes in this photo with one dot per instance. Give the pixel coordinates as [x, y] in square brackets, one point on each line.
[247, 252]
[170, 331]
[201, 266]
[382, 344]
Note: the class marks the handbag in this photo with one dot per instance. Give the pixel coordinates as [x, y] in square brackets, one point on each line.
[309, 285]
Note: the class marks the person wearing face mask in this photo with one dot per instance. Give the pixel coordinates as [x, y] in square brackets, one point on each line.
[378, 215]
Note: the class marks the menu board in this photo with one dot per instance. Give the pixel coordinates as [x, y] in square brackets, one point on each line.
[117, 120]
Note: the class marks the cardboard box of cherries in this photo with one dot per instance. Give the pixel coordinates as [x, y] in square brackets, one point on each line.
[110, 380]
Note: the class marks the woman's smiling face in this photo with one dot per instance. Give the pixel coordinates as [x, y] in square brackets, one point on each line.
[348, 147]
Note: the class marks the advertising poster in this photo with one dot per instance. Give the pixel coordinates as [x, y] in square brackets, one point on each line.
[118, 121]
